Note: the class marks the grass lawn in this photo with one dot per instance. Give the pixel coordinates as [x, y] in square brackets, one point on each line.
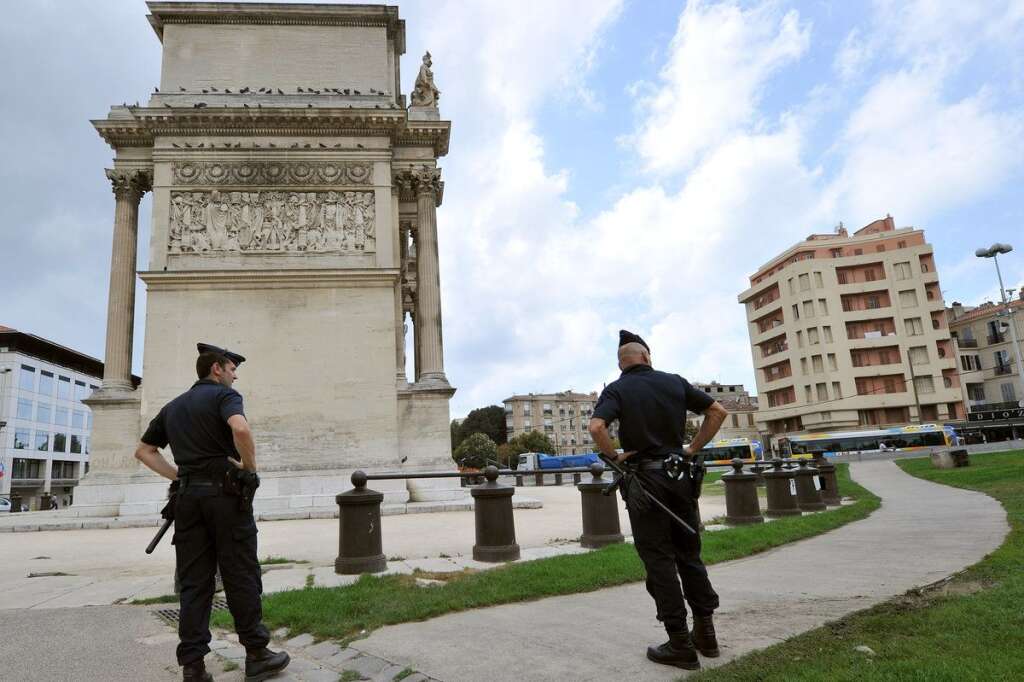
[344, 612]
[969, 629]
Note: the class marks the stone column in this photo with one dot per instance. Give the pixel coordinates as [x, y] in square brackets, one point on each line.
[129, 185]
[427, 181]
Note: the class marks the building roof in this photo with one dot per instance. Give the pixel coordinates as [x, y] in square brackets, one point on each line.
[984, 310]
[564, 395]
[51, 351]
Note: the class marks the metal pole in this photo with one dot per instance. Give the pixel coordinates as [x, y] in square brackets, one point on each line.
[913, 382]
[1013, 330]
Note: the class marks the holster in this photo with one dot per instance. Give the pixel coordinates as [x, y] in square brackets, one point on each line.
[167, 513]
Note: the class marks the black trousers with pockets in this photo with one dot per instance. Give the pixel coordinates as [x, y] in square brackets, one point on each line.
[670, 554]
[211, 530]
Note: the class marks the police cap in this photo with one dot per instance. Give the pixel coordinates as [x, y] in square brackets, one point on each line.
[209, 348]
[629, 337]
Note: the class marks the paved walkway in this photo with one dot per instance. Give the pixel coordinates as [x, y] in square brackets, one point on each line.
[922, 533]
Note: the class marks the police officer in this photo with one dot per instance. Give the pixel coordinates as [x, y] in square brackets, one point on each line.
[651, 407]
[213, 449]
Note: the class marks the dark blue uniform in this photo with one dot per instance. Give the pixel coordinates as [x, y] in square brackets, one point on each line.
[651, 409]
[211, 528]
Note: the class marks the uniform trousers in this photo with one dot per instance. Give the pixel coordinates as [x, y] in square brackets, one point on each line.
[211, 530]
[671, 554]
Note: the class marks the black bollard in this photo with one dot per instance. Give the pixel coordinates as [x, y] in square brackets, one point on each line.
[359, 538]
[829, 483]
[495, 523]
[741, 503]
[600, 512]
[780, 489]
[807, 496]
[519, 480]
[576, 478]
[558, 478]
[538, 478]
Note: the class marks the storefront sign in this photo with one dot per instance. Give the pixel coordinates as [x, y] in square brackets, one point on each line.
[994, 415]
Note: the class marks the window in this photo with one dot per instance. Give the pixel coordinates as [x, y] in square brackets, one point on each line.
[78, 419]
[805, 282]
[837, 390]
[840, 277]
[880, 248]
[823, 306]
[76, 444]
[796, 312]
[64, 388]
[24, 409]
[43, 413]
[750, 419]
[792, 287]
[42, 441]
[62, 470]
[27, 378]
[86, 449]
[81, 392]
[817, 364]
[735, 421]
[812, 336]
[832, 365]
[547, 408]
[46, 382]
[976, 391]
[924, 384]
[908, 298]
[901, 244]
[872, 302]
[858, 252]
[803, 365]
[902, 270]
[21, 438]
[27, 468]
[547, 422]
[914, 327]
[60, 442]
[919, 355]
[62, 416]
[970, 363]
[818, 282]
[1001, 357]
[1009, 394]
[807, 393]
[822, 391]
[799, 339]
[808, 308]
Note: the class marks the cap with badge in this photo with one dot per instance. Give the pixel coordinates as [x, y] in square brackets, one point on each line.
[629, 337]
[209, 348]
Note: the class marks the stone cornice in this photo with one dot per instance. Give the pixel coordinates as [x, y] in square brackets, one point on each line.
[138, 126]
[269, 279]
[258, 13]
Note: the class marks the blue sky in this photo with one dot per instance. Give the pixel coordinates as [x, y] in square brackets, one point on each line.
[613, 164]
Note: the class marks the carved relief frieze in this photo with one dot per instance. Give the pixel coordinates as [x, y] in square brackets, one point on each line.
[307, 173]
[272, 222]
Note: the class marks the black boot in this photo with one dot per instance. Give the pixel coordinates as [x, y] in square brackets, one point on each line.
[677, 651]
[196, 672]
[263, 663]
[703, 634]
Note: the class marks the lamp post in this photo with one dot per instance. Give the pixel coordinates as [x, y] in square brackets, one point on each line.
[993, 253]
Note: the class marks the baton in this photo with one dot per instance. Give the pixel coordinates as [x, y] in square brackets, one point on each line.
[159, 536]
[650, 496]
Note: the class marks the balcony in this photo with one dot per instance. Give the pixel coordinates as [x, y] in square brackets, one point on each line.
[996, 338]
[63, 482]
[982, 406]
[1001, 370]
[968, 343]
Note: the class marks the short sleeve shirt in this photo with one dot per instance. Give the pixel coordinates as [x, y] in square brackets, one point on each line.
[195, 425]
[651, 408]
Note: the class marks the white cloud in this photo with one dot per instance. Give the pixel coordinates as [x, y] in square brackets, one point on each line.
[720, 60]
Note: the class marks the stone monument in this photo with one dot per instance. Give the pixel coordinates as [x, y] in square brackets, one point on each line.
[294, 221]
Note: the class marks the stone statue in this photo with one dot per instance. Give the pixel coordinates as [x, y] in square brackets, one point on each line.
[425, 94]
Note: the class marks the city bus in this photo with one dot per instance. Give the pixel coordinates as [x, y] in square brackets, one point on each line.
[725, 450]
[883, 440]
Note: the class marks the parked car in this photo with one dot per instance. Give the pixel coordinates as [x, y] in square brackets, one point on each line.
[5, 505]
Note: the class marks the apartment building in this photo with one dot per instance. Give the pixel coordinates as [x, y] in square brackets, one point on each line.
[723, 391]
[993, 388]
[850, 331]
[742, 408]
[44, 426]
[562, 417]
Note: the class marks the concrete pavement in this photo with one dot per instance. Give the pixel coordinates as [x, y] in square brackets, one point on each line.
[923, 532]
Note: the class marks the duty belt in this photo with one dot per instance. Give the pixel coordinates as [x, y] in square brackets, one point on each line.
[650, 465]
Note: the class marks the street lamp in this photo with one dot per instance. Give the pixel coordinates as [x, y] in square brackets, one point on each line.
[993, 253]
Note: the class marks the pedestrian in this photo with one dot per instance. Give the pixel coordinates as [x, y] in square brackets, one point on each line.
[215, 454]
[651, 408]
[53, 503]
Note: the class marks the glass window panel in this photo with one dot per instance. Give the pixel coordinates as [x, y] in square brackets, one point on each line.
[27, 378]
[76, 444]
[81, 390]
[44, 414]
[62, 416]
[64, 388]
[60, 442]
[78, 419]
[46, 382]
[42, 441]
[21, 439]
[24, 408]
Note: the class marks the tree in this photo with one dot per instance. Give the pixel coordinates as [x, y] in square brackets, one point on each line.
[476, 451]
[691, 430]
[534, 441]
[489, 420]
[454, 429]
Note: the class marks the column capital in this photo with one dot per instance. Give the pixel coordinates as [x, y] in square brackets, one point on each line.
[130, 183]
[418, 181]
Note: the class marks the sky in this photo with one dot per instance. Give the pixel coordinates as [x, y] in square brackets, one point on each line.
[613, 164]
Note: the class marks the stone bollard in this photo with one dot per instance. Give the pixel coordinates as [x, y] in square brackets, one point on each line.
[495, 523]
[576, 478]
[779, 486]
[538, 478]
[600, 512]
[741, 503]
[827, 477]
[359, 538]
[808, 498]
[558, 478]
[519, 480]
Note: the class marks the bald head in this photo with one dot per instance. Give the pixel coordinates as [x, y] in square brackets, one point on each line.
[633, 353]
